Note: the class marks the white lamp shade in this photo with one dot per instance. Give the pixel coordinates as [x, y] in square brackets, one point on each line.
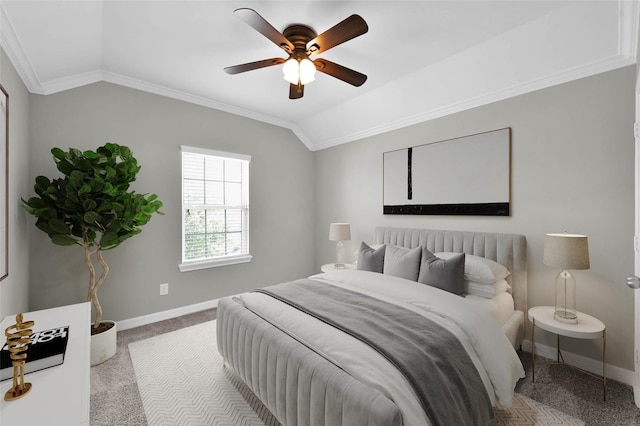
[290, 70]
[307, 71]
[339, 232]
[566, 251]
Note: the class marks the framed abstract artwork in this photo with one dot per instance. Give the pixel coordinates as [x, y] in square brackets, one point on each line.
[470, 175]
[4, 186]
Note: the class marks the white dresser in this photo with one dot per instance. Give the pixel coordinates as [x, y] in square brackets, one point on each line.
[59, 395]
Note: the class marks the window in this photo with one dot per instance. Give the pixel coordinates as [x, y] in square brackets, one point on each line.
[215, 208]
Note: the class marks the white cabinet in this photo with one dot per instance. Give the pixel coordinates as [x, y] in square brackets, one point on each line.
[59, 395]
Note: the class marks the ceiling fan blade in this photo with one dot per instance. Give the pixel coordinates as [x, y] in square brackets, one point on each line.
[351, 27]
[237, 69]
[338, 71]
[261, 25]
[296, 91]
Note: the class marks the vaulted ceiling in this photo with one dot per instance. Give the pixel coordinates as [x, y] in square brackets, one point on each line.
[423, 59]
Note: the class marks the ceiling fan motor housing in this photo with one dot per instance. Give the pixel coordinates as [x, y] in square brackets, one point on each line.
[299, 35]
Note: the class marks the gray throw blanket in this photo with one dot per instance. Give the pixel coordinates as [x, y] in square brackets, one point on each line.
[431, 358]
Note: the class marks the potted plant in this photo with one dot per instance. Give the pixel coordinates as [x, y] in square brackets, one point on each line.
[92, 206]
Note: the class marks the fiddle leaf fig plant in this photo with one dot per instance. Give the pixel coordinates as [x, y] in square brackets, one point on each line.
[92, 206]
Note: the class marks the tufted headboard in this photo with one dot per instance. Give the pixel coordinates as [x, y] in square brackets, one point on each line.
[509, 250]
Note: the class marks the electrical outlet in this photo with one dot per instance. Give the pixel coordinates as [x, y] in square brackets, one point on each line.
[164, 289]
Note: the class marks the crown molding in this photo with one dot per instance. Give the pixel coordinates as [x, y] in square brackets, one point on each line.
[12, 46]
[629, 19]
[133, 83]
[566, 76]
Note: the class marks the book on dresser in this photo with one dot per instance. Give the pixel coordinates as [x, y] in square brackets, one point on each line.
[47, 349]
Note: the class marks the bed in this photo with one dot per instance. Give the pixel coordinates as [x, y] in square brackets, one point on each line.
[309, 371]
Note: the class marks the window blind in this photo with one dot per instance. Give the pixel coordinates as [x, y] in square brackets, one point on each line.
[215, 204]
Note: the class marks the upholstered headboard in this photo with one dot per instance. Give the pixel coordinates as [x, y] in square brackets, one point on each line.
[509, 250]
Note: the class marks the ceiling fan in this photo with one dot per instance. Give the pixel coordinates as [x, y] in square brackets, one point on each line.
[301, 41]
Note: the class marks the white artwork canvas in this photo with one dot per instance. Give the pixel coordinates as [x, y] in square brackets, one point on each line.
[469, 175]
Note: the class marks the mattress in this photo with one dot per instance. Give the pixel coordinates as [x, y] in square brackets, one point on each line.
[500, 306]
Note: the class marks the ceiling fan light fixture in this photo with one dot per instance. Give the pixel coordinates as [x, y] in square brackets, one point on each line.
[307, 71]
[300, 41]
[291, 69]
[299, 72]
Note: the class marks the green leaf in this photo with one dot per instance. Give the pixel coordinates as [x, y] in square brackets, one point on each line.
[42, 182]
[35, 202]
[59, 226]
[63, 240]
[114, 226]
[89, 205]
[97, 184]
[109, 239]
[92, 217]
[104, 206]
[141, 218]
[84, 190]
[83, 164]
[71, 194]
[76, 230]
[58, 154]
[76, 178]
[119, 208]
[65, 167]
[108, 189]
[91, 235]
[43, 225]
[110, 173]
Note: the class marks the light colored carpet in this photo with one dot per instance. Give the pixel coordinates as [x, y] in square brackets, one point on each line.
[182, 381]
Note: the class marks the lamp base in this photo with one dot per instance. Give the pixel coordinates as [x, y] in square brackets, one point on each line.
[566, 317]
[339, 256]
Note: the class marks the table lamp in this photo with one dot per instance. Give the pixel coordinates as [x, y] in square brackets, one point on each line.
[566, 251]
[339, 232]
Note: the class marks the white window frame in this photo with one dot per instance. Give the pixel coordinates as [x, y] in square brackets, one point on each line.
[212, 262]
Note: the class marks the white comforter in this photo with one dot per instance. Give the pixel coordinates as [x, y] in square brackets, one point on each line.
[494, 357]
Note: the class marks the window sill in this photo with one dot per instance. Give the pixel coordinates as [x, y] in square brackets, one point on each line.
[213, 263]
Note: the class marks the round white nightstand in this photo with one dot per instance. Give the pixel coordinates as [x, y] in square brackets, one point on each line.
[587, 327]
[332, 267]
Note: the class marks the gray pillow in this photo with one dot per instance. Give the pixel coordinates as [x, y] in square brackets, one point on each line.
[445, 274]
[370, 259]
[402, 262]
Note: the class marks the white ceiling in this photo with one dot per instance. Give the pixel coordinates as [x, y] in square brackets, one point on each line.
[424, 59]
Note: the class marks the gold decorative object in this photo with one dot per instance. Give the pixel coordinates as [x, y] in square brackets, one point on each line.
[18, 342]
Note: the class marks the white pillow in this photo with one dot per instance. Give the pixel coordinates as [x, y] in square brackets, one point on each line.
[487, 291]
[480, 270]
[402, 262]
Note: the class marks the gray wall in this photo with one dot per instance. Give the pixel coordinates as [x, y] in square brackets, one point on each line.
[154, 127]
[572, 170]
[14, 289]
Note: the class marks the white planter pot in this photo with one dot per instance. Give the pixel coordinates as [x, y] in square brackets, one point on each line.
[103, 345]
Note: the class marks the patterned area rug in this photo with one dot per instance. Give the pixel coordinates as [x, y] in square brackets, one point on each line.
[182, 382]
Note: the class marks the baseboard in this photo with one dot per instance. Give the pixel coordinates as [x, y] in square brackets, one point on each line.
[588, 364]
[164, 315]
